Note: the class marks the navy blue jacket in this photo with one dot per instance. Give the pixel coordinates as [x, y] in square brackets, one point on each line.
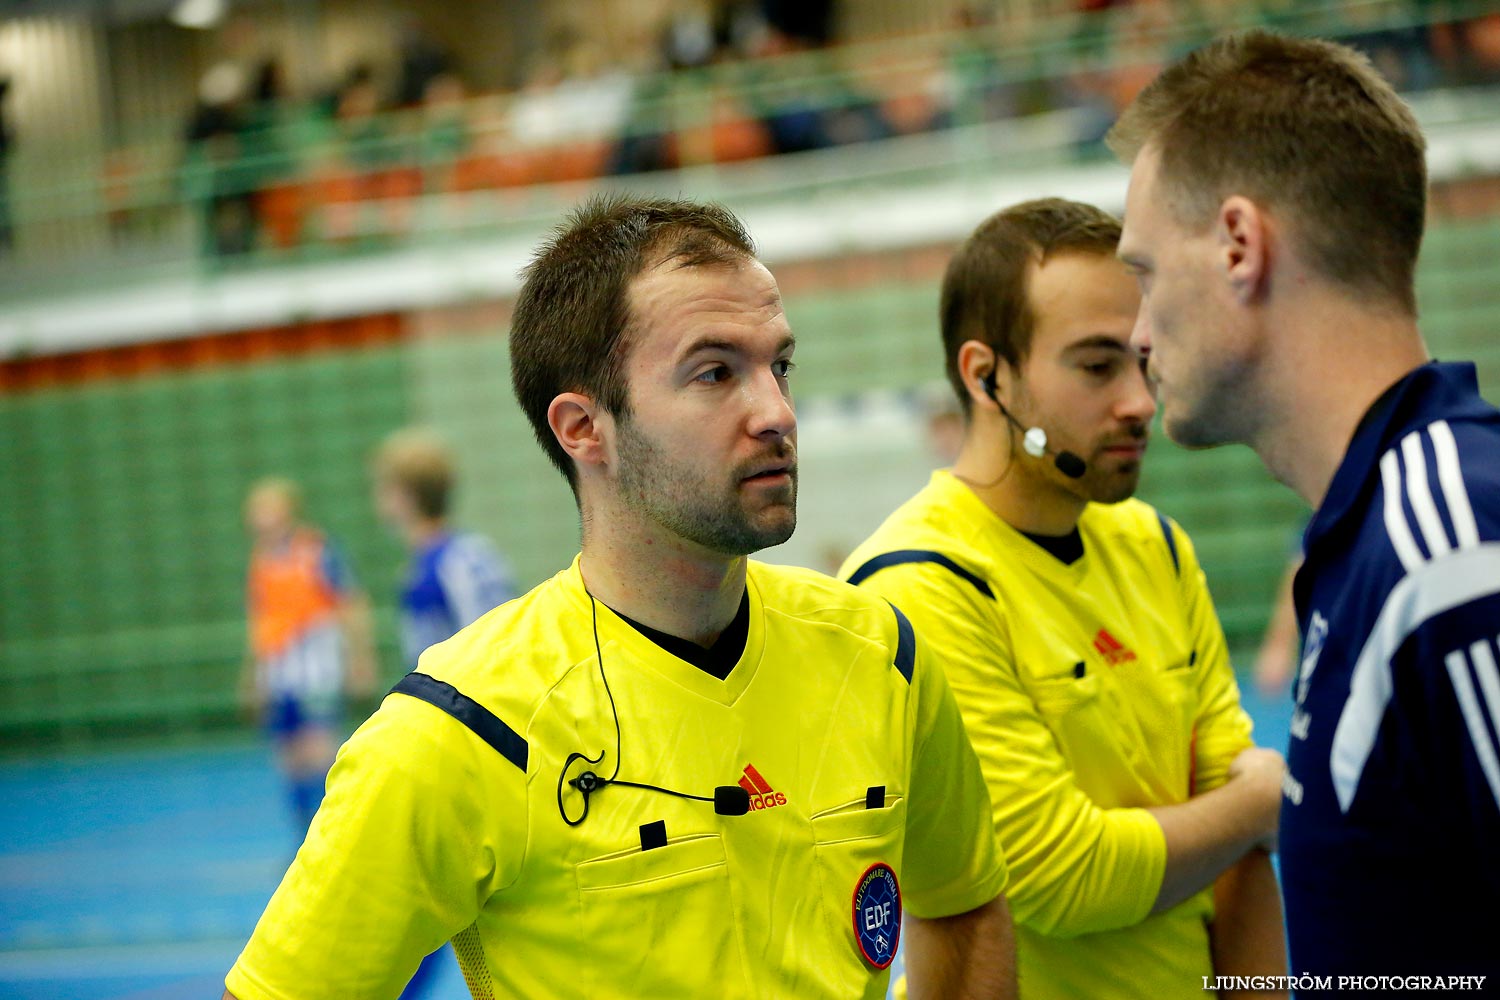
[1390, 828]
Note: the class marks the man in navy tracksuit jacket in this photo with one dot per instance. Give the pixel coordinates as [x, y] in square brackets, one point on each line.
[1390, 832]
[1274, 216]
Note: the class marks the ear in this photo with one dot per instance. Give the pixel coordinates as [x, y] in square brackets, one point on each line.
[582, 427]
[1243, 231]
[978, 362]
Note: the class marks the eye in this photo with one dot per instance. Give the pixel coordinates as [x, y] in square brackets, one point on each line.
[1099, 369]
[714, 375]
[784, 367]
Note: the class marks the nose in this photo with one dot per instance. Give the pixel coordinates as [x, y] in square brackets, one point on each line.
[772, 416]
[1137, 404]
[1140, 334]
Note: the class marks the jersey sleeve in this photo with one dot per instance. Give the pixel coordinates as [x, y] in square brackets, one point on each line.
[474, 579]
[1222, 726]
[951, 863]
[1075, 868]
[400, 858]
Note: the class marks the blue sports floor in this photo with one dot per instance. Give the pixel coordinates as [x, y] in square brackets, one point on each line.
[139, 875]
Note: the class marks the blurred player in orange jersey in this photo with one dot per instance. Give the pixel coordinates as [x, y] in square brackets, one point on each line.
[309, 639]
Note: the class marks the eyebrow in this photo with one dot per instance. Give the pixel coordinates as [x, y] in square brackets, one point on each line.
[1096, 342]
[729, 347]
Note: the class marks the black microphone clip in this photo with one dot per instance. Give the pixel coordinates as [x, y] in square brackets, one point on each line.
[731, 800]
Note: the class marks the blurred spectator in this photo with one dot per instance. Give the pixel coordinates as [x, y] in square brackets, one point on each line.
[443, 135]
[216, 174]
[573, 95]
[7, 141]
[689, 40]
[1467, 49]
[362, 129]
[790, 105]
[980, 90]
[739, 28]
[270, 164]
[646, 138]
[371, 178]
[806, 22]
[422, 60]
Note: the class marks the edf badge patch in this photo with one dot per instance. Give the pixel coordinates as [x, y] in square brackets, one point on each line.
[877, 914]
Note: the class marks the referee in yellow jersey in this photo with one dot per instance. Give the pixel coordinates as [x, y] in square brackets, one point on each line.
[1078, 635]
[667, 771]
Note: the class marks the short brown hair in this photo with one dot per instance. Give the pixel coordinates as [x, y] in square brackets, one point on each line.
[1301, 124]
[985, 294]
[573, 312]
[418, 462]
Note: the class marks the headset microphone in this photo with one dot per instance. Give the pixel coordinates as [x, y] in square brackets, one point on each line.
[1034, 439]
[731, 800]
[728, 800]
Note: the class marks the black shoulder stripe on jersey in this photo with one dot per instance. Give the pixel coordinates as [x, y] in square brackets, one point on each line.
[903, 556]
[484, 723]
[1166, 530]
[906, 645]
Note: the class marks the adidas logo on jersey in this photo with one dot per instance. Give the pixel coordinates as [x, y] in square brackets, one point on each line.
[1111, 649]
[762, 795]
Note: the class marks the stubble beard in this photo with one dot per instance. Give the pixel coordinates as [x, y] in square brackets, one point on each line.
[718, 519]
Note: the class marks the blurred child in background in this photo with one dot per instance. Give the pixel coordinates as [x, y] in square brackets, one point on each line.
[309, 639]
[454, 577]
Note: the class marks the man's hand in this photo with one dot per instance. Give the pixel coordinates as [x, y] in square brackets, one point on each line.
[1248, 935]
[1210, 832]
[967, 956]
[1261, 771]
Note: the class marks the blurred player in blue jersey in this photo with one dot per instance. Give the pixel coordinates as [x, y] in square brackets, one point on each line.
[309, 639]
[453, 578]
[1276, 206]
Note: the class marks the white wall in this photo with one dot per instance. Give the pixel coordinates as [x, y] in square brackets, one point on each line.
[56, 116]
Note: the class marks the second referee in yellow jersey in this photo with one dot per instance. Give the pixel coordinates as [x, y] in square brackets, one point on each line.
[1078, 634]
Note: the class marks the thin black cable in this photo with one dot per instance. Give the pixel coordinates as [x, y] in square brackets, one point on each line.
[588, 782]
[988, 385]
[599, 656]
[657, 788]
[563, 775]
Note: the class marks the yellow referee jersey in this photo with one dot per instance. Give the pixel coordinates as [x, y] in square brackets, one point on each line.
[442, 818]
[1091, 691]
